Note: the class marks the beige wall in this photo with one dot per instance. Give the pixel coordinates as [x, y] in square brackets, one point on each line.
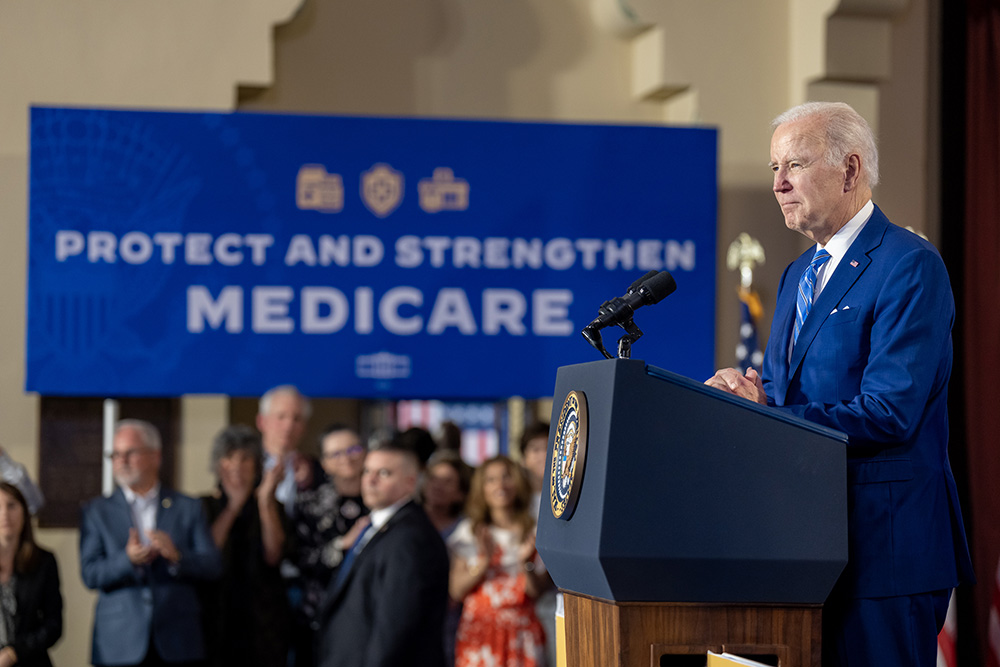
[733, 65]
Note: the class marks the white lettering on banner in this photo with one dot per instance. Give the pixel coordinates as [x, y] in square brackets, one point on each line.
[326, 310]
[388, 311]
[328, 299]
[362, 250]
[451, 309]
[365, 250]
[503, 308]
[138, 247]
[270, 309]
[69, 242]
[550, 312]
[201, 308]
[558, 254]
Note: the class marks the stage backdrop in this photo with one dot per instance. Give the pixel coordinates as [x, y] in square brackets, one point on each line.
[175, 253]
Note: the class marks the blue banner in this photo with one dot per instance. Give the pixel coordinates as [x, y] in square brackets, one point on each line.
[174, 253]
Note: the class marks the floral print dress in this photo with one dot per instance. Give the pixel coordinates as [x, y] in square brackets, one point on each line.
[498, 627]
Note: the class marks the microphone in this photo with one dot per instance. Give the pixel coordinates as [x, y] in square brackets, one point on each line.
[639, 281]
[650, 290]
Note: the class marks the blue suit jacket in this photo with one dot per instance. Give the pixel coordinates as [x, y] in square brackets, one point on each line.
[873, 360]
[156, 603]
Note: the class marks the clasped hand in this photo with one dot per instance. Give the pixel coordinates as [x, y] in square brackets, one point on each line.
[160, 544]
[731, 381]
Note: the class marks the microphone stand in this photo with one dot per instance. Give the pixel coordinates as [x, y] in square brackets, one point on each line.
[632, 334]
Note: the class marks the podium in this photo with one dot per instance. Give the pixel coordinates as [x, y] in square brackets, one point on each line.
[701, 521]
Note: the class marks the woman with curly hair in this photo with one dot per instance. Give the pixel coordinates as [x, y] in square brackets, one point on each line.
[496, 573]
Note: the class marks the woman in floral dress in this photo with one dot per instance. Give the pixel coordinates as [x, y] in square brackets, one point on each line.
[496, 572]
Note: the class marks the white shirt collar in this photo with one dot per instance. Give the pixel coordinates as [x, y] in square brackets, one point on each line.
[840, 243]
[146, 498]
[382, 516]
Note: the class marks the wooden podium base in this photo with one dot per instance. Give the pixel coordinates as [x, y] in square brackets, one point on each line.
[602, 633]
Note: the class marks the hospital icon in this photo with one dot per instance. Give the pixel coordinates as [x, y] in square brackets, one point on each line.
[443, 192]
[316, 190]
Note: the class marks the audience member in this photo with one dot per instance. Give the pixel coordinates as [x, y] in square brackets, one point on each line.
[419, 441]
[329, 519]
[386, 605]
[534, 447]
[449, 436]
[16, 474]
[30, 602]
[145, 538]
[247, 619]
[496, 573]
[444, 491]
[281, 420]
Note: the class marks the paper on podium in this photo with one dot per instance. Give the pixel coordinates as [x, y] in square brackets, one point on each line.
[723, 659]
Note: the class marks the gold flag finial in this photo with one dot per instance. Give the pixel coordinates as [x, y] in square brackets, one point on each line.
[745, 253]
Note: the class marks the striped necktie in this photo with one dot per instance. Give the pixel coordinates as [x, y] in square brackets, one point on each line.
[807, 287]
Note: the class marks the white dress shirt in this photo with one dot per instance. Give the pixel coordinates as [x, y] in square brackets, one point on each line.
[143, 510]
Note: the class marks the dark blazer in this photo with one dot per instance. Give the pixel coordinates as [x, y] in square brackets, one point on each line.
[156, 603]
[389, 610]
[39, 621]
[873, 360]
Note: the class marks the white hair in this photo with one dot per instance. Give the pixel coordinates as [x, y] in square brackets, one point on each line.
[147, 432]
[846, 132]
[290, 389]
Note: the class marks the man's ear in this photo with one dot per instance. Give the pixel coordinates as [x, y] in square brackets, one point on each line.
[852, 172]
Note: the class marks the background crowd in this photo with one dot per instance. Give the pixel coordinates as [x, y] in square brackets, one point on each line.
[388, 549]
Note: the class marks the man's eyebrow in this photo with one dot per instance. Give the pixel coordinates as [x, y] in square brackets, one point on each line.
[794, 158]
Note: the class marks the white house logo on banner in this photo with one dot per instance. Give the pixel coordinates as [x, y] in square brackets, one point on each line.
[382, 189]
[382, 366]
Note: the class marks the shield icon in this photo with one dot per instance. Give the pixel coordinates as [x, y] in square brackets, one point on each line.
[382, 189]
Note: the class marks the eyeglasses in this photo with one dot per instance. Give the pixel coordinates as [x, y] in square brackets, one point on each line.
[128, 454]
[350, 451]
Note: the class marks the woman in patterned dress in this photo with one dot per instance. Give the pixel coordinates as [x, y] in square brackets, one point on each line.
[332, 515]
[496, 574]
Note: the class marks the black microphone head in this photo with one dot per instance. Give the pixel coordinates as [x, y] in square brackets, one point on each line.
[638, 283]
[658, 287]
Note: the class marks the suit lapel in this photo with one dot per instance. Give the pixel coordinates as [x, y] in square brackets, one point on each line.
[165, 512]
[781, 327]
[366, 553]
[122, 519]
[854, 263]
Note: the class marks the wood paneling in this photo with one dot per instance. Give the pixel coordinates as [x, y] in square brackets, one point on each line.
[603, 633]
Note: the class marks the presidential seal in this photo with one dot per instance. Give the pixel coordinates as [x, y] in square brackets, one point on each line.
[569, 454]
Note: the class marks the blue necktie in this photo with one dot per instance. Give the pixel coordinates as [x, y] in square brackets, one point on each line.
[807, 288]
[345, 565]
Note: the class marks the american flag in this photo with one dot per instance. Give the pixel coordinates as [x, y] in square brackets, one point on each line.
[946, 656]
[748, 352]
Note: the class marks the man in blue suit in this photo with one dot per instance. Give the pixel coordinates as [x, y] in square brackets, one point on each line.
[861, 342]
[144, 549]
